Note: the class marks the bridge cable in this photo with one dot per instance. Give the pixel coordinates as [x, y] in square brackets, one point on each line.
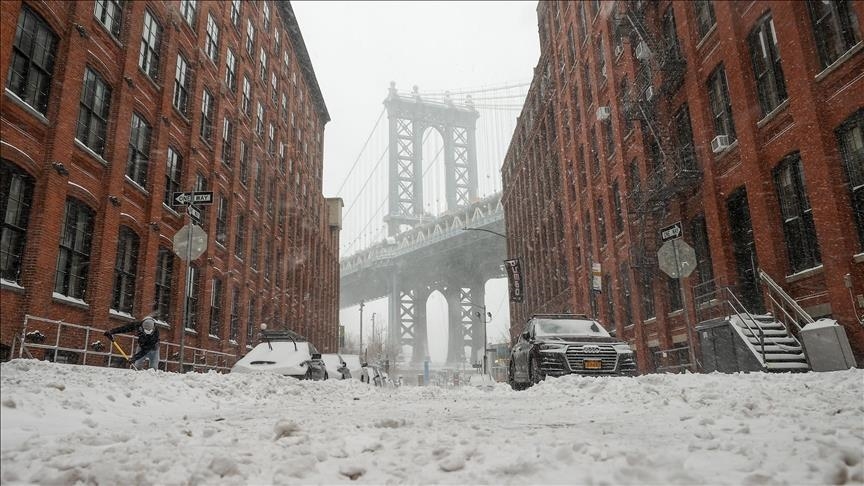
[357, 160]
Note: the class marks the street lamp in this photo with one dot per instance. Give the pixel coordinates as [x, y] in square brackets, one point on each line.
[486, 230]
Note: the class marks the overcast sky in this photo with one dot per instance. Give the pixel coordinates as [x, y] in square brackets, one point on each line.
[357, 48]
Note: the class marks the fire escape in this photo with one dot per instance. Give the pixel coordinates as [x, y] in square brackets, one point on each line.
[671, 168]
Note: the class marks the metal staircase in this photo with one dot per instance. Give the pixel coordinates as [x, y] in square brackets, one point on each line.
[771, 343]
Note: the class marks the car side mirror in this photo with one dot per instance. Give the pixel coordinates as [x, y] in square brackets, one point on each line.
[316, 355]
[612, 332]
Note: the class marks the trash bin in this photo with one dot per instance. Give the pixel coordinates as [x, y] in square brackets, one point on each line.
[826, 346]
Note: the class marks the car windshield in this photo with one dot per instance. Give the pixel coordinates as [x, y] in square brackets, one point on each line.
[569, 327]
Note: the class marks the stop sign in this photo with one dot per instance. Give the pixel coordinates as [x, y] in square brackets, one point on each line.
[679, 267]
[191, 233]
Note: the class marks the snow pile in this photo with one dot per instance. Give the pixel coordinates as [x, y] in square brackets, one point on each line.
[67, 424]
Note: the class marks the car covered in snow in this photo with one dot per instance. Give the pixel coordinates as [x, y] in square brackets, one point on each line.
[298, 359]
[337, 369]
[561, 344]
[355, 366]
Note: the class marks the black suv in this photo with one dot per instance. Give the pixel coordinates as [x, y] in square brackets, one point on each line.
[561, 344]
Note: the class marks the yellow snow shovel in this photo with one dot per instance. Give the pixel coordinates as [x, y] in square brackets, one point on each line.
[117, 346]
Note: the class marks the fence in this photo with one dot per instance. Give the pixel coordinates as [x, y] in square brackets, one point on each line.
[65, 342]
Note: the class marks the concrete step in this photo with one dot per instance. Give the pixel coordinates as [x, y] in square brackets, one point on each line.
[790, 341]
[785, 357]
[768, 332]
[792, 366]
[778, 349]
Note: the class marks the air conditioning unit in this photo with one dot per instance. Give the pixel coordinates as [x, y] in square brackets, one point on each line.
[649, 93]
[619, 49]
[719, 143]
[643, 53]
[603, 113]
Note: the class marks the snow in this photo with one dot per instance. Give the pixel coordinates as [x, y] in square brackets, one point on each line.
[10, 283]
[71, 300]
[75, 424]
[820, 324]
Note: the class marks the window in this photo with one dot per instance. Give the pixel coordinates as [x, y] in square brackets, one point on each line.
[624, 289]
[268, 258]
[619, 208]
[247, 96]
[138, 161]
[215, 307]
[234, 327]
[32, 64]
[610, 302]
[277, 42]
[583, 31]
[274, 92]
[608, 136]
[194, 290]
[253, 250]
[271, 202]
[250, 324]
[148, 57]
[227, 142]
[259, 119]
[110, 14]
[586, 84]
[600, 213]
[240, 234]
[766, 65]
[231, 70]
[571, 46]
[181, 86]
[684, 136]
[164, 277]
[173, 173]
[201, 186]
[802, 246]
[624, 108]
[206, 116]
[835, 27]
[211, 45]
[271, 137]
[262, 66]
[851, 139]
[721, 106]
[670, 36]
[284, 107]
[235, 12]
[244, 163]
[601, 61]
[259, 181]
[705, 272]
[222, 221]
[282, 158]
[125, 271]
[648, 311]
[595, 154]
[266, 16]
[673, 286]
[250, 38]
[187, 10]
[583, 174]
[93, 114]
[278, 276]
[73, 260]
[704, 17]
[16, 187]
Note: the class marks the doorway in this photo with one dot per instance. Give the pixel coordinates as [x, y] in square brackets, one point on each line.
[744, 249]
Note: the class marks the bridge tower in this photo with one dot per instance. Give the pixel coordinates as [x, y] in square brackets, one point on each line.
[409, 118]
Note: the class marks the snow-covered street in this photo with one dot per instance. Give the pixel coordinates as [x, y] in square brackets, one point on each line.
[63, 424]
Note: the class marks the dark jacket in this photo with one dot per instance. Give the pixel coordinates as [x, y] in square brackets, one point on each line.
[146, 342]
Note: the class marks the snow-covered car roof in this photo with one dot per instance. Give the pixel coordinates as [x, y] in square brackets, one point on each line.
[278, 357]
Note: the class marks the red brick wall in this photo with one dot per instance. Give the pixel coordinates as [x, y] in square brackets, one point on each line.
[32, 143]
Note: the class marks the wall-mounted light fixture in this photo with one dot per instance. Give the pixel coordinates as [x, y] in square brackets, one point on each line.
[114, 200]
[60, 168]
[154, 225]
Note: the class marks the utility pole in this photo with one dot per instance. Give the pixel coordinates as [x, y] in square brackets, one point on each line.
[362, 305]
[374, 336]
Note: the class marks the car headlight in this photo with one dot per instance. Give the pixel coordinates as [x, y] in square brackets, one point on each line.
[552, 347]
[623, 349]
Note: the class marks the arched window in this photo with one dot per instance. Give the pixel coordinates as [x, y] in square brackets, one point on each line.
[125, 271]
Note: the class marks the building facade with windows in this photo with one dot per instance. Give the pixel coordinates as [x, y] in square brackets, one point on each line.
[741, 120]
[109, 108]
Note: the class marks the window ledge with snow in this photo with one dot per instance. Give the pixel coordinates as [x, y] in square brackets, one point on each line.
[23, 104]
[162, 324]
[804, 274]
[10, 285]
[858, 258]
[65, 299]
[121, 315]
[840, 60]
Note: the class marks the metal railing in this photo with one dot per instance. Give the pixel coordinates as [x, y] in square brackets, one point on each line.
[783, 307]
[79, 344]
[724, 300]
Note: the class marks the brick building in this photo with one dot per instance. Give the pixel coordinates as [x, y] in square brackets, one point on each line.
[108, 108]
[742, 120]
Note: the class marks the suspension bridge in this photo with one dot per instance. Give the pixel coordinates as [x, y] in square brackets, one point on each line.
[423, 180]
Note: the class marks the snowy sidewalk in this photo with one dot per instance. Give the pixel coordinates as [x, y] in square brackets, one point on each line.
[67, 424]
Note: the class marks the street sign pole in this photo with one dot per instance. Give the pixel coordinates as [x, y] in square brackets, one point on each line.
[188, 290]
[683, 290]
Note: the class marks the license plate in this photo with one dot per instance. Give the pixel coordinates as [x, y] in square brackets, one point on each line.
[592, 364]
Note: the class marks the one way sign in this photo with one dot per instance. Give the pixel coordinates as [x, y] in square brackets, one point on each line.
[186, 198]
[671, 232]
